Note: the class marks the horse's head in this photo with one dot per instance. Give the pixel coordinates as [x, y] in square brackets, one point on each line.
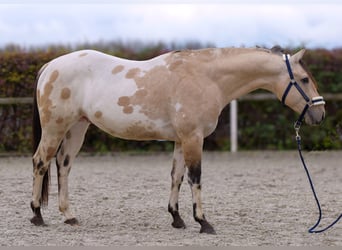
[297, 89]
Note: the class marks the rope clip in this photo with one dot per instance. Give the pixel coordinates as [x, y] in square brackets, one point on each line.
[297, 128]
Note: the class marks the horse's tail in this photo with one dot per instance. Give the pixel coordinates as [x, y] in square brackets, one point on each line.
[37, 134]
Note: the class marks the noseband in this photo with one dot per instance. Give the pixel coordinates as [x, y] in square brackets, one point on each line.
[318, 100]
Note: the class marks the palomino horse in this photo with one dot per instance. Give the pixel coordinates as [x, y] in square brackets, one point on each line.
[177, 96]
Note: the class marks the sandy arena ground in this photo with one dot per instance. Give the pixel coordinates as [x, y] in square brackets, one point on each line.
[251, 198]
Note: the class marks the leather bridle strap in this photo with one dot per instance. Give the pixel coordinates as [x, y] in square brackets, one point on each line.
[292, 82]
[318, 100]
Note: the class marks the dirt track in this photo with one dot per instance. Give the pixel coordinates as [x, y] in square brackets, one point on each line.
[251, 198]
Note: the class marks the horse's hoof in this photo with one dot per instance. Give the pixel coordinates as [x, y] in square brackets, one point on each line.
[207, 228]
[72, 222]
[178, 223]
[38, 221]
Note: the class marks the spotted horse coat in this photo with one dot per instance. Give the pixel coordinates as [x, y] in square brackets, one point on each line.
[176, 96]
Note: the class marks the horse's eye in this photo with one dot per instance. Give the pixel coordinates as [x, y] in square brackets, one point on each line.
[305, 80]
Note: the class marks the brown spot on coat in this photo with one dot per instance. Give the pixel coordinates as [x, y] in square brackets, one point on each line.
[124, 101]
[59, 120]
[45, 101]
[50, 152]
[83, 54]
[128, 110]
[132, 73]
[118, 69]
[98, 114]
[68, 135]
[65, 94]
[54, 76]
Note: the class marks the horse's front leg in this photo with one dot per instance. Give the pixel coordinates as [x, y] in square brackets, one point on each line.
[177, 174]
[192, 149]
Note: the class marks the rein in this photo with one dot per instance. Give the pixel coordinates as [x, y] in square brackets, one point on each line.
[312, 229]
[315, 101]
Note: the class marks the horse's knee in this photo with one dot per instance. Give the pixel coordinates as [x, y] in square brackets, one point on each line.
[37, 163]
[40, 168]
[42, 157]
[194, 174]
[177, 176]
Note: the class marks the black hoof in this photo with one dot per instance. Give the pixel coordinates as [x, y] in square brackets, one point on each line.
[207, 228]
[178, 223]
[72, 222]
[38, 221]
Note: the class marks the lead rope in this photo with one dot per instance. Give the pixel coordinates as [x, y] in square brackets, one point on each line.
[312, 229]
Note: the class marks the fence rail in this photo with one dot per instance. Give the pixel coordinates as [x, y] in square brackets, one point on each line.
[16, 100]
[233, 109]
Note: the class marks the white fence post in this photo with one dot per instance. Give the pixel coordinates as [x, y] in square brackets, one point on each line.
[233, 127]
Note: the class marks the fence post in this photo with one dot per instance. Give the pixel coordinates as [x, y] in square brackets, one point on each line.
[233, 127]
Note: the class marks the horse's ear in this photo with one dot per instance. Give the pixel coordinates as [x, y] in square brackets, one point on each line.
[298, 56]
[277, 50]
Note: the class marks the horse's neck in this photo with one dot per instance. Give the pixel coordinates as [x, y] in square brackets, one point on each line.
[237, 74]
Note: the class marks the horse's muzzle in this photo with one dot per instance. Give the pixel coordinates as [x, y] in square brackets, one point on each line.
[315, 115]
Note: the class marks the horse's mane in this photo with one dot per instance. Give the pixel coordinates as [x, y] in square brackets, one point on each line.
[227, 51]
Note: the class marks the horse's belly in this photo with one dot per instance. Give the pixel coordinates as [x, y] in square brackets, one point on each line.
[133, 126]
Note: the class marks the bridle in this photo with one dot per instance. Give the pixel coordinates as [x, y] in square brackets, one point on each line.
[318, 100]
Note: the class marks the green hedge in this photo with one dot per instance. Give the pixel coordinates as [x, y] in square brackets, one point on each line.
[262, 124]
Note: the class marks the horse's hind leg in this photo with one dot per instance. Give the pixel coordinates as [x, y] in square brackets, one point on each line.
[192, 150]
[40, 183]
[177, 174]
[67, 152]
[41, 167]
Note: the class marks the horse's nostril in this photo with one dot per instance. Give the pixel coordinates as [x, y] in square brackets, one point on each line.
[323, 116]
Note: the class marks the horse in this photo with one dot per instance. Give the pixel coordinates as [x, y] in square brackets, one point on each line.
[177, 96]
